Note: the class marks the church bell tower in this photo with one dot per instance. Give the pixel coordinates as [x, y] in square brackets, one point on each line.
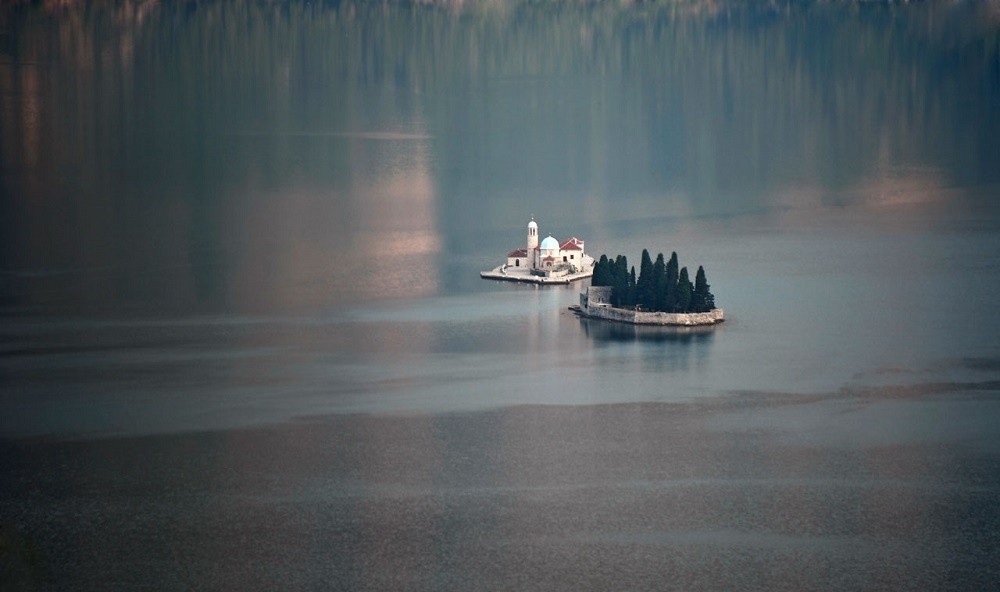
[532, 236]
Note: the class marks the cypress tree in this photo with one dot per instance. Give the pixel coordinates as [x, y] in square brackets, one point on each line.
[623, 273]
[659, 285]
[644, 289]
[684, 291]
[670, 294]
[632, 288]
[601, 275]
[701, 296]
[709, 299]
[619, 281]
[612, 279]
[623, 281]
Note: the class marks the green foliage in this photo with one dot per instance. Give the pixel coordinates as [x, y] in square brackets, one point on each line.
[659, 286]
[631, 300]
[602, 272]
[617, 275]
[658, 301]
[620, 283]
[645, 287]
[702, 299]
[670, 295]
[682, 303]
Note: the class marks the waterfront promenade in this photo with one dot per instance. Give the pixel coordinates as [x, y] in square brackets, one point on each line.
[522, 274]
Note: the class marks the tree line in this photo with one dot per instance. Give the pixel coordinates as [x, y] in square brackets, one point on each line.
[660, 286]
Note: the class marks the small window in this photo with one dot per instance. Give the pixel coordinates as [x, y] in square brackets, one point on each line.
[517, 263]
[572, 256]
[564, 259]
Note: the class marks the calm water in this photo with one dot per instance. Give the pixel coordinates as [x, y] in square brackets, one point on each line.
[244, 344]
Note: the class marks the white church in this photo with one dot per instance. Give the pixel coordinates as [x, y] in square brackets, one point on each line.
[548, 259]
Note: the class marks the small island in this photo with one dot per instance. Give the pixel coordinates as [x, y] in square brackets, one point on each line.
[551, 262]
[662, 293]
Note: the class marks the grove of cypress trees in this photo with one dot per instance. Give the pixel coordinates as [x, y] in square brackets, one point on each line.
[659, 286]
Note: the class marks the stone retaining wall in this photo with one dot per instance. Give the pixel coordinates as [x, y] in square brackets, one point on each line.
[593, 304]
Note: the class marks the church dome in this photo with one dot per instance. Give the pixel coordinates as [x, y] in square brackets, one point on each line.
[532, 224]
[550, 243]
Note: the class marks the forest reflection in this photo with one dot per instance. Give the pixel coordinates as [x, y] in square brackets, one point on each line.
[718, 96]
[395, 117]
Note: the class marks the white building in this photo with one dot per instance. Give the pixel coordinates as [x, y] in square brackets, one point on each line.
[550, 257]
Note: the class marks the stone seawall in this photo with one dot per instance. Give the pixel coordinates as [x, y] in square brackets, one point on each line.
[595, 304]
[623, 315]
[523, 275]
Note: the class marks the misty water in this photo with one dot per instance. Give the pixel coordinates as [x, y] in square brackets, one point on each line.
[244, 343]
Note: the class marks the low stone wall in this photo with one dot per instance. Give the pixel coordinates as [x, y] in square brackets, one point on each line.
[523, 275]
[594, 303]
[623, 315]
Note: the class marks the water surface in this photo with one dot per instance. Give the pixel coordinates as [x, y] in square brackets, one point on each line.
[244, 344]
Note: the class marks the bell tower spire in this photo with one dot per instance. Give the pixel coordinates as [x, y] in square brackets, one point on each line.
[532, 236]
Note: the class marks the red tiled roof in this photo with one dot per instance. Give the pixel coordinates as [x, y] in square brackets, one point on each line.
[550, 258]
[518, 253]
[571, 244]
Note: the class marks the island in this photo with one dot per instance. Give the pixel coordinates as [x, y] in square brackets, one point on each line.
[662, 294]
[550, 262]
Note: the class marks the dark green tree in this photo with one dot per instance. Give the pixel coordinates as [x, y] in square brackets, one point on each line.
[644, 288]
[702, 300]
[670, 294]
[619, 282]
[623, 276]
[659, 284]
[602, 275]
[632, 287]
[684, 292]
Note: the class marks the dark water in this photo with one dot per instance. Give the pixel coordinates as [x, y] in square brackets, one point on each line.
[244, 344]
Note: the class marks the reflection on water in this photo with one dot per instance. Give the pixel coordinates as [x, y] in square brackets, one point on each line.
[356, 150]
[607, 331]
[302, 248]
[661, 350]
